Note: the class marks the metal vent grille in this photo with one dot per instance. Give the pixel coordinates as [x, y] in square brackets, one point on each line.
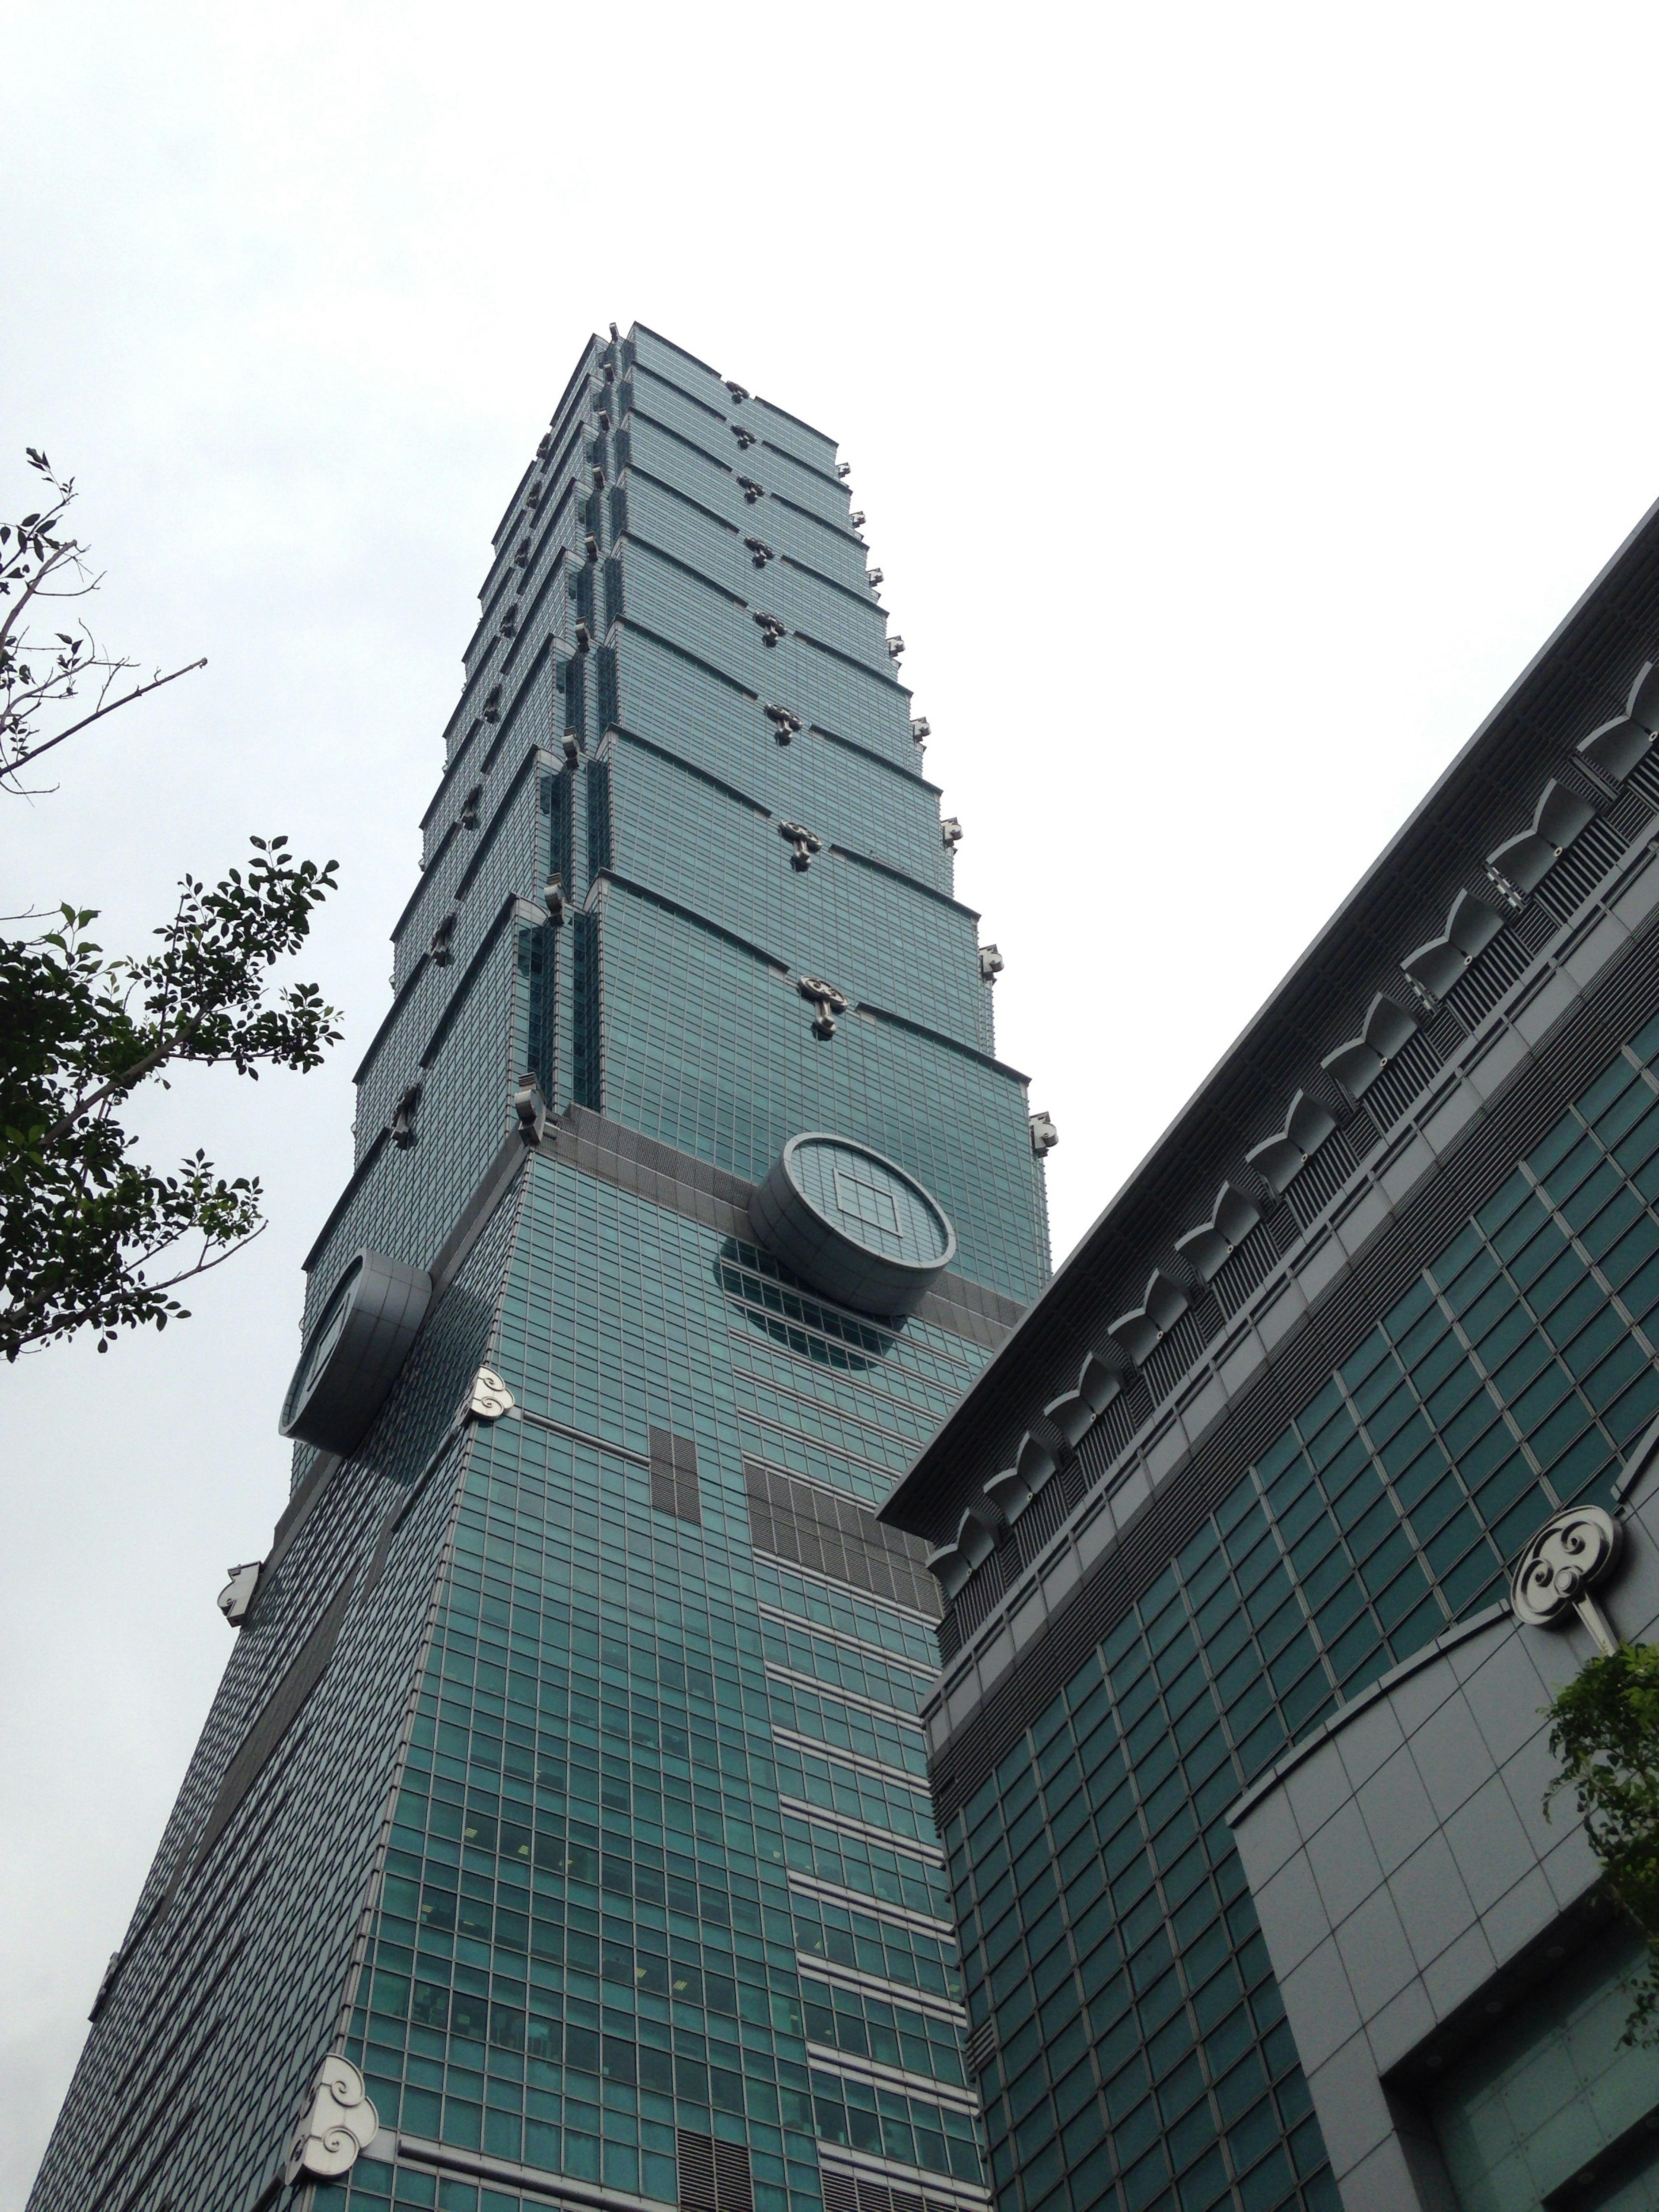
[847, 2192]
[714, 2177]
[674, 1476]
[1170, 1359]
[835, 1537]
[1248, 1268]
[1317, 1184]
[1406, 1076]
[1501, 964]
[1579, 869]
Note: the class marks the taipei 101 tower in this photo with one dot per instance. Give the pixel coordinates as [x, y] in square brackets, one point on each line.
[560, 1832]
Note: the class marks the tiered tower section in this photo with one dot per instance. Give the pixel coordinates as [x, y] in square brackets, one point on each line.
[565, 1783]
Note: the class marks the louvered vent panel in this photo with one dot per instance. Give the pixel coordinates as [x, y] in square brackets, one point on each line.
[1498, 968]
[1579, 869]
[982, 2044]
[1644, 780]
[1041, 1519]
[1312, 1191]
[1631, 813]
[835, 1536]
[1109, 1435]
[714, 2177]
[1405, 1079]
[1248, 1268]
[674, 1476]
[696, 2173]
[973, 1604]
[733, 2191]
[1171, 1358]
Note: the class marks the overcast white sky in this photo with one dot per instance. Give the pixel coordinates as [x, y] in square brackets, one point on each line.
[1238, 396]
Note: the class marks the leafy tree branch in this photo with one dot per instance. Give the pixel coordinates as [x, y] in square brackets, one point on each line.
[1604, 1732]
[40, 564]
[82, 1225]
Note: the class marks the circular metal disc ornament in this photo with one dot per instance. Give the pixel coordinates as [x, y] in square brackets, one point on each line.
[852, 1224]
[1569, 1553]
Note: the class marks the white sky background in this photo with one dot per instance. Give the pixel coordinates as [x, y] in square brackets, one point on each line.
[1237, 396]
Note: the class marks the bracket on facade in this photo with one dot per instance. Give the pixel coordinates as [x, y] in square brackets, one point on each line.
[402, 1123]
[759, 551]
[531, 1108]
[771, 628]
[752, 491]
[950, 832]
[490, 1397]
[237, 1596]
[784, 723]
[1553, 1575]
[828, 1002]
[1044, 1135]
[991, 963]
[804, 842]
[337, 2125]
[553, 899]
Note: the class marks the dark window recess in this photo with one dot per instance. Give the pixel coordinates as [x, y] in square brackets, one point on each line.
[555, 813]
[581, 592]
[587, 1084]
[610, 697]
[575, 696]
[674, 1477]
[613, 591]
[538, 977]
[833, 1536]
[619, 507]
[599, 819]
[847, 2192]
[713, 2176]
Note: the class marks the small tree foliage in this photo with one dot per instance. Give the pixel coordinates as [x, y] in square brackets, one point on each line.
[89, 1236]
[1604, 1732]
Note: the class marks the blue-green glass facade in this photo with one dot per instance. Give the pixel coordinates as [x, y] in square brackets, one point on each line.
[1143, 2055]
[632, 1893]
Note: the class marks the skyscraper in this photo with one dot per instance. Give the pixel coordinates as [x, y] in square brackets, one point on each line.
[559, 1830]
[1238, 1746]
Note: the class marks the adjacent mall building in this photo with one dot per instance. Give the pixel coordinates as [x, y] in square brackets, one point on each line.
[584, 1820]
[1239, 1753]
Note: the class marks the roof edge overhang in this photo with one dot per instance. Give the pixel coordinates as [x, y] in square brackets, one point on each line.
[1016, 1376]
